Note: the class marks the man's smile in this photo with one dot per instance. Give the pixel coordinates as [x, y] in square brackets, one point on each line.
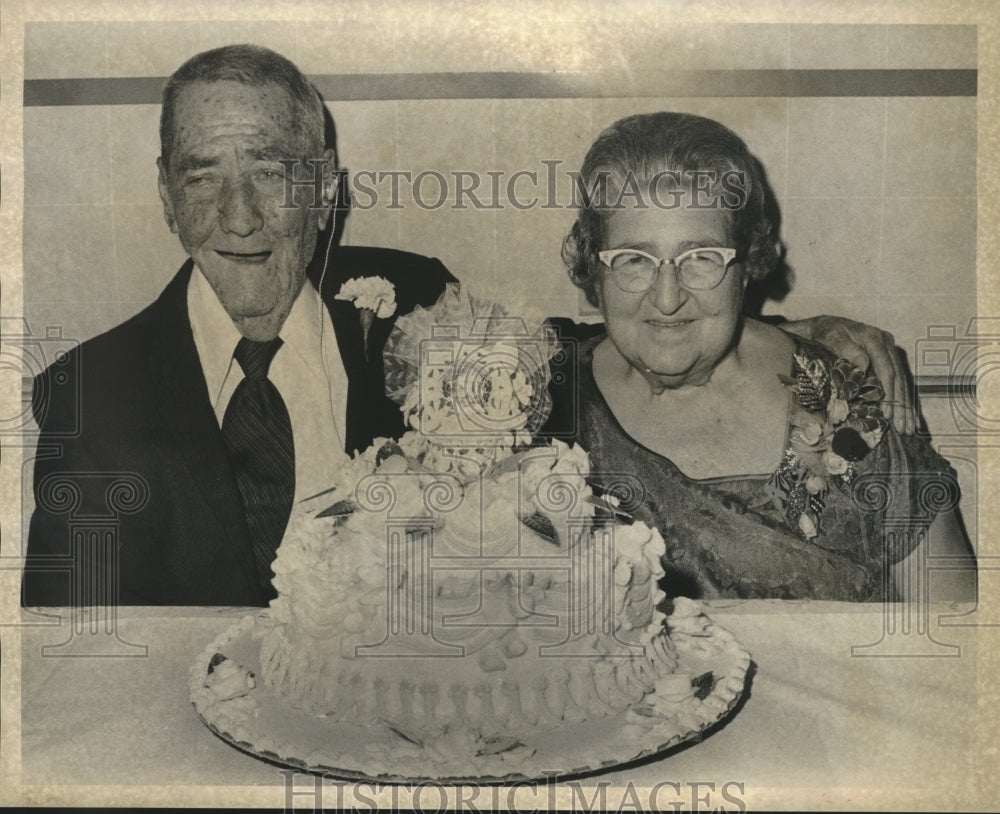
[244, 257]
[669, 323]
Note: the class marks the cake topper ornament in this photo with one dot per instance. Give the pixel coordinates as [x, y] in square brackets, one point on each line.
[471, 380]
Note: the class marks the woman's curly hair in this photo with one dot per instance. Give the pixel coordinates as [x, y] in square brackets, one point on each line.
[641, 150]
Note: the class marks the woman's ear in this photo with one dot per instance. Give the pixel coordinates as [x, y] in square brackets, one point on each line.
[596, 289]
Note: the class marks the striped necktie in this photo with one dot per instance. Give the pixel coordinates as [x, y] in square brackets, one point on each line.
[257, 433]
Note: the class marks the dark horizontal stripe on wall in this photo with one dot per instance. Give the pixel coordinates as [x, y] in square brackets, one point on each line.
[952, 387]
[352, 87]
[122, 91]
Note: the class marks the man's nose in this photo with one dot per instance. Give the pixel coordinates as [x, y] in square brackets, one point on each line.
[666, 292]
[239, 213]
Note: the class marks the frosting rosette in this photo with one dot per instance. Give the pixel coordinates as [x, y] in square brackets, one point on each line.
[637, 571]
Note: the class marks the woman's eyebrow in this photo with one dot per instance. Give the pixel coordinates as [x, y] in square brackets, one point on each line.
[686, 245]
[641, 245]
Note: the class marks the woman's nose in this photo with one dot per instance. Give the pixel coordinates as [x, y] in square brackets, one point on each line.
[239, 213]
[666, 293]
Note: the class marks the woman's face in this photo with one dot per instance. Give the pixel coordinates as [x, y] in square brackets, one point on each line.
[669, 333]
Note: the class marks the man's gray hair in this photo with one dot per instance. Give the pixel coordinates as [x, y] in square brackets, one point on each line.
[251, 65]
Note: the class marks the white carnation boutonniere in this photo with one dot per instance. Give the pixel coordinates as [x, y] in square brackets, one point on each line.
[373, 297]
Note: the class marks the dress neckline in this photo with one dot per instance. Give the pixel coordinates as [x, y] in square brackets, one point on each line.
[588, 367]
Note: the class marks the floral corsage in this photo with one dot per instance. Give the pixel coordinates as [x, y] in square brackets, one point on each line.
[839, 423]
[373, 297]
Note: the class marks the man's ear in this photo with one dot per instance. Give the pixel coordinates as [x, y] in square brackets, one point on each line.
[331, 185]
[168, 207]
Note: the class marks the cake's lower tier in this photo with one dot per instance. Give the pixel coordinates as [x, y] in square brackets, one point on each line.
[421, 694]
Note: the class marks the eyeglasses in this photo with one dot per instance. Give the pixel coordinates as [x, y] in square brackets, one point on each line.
[697, 269]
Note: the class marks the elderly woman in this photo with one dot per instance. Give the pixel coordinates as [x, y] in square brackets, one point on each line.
[766, 462]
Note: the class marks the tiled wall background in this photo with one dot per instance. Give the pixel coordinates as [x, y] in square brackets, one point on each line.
[878, 194]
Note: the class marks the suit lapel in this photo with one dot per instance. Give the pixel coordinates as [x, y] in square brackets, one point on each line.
[418, 281]
[350, 341]
[187, 413]
[364, 387]
[347, 326]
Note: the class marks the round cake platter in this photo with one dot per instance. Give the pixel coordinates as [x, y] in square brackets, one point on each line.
[240, 709]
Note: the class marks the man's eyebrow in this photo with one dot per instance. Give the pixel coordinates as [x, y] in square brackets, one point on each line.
[188, 163]
[270, 154]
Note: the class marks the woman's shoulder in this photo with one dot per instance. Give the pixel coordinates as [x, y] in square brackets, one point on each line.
[774, 336]
[833, 374]
[847, 401]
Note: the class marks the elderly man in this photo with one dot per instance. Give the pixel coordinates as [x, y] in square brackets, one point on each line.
[240, 389]
[246, 383]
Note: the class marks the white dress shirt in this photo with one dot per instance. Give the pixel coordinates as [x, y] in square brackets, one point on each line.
[307, 370]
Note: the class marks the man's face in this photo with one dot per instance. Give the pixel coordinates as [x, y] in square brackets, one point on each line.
[224, 195]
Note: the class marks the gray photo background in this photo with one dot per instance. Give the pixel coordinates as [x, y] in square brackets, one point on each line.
[877, 188]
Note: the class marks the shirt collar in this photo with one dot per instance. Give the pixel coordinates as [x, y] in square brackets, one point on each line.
[216, 335]
[301, 331]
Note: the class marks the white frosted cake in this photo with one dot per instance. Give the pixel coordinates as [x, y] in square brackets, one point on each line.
[460, 604]
[480, 608]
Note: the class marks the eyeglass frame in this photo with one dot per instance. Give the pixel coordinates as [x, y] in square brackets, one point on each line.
[608, 255]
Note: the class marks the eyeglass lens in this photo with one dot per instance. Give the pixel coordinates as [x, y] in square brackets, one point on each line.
[699, 271]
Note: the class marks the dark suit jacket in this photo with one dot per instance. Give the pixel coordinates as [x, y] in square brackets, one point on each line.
[130, 448]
